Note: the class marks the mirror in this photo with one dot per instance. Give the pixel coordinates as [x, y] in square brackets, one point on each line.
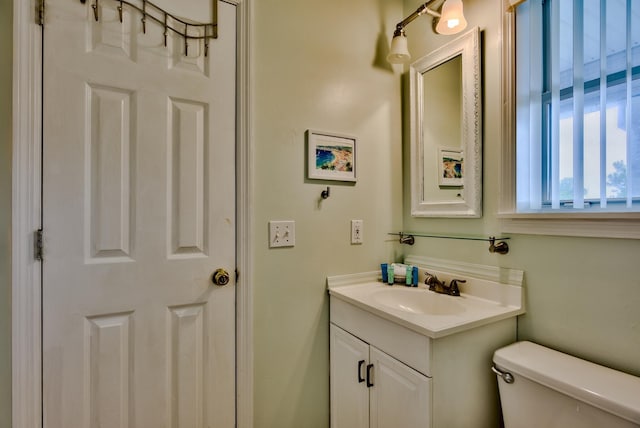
[446, 139]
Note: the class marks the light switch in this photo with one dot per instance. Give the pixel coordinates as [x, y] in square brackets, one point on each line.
[282, 233]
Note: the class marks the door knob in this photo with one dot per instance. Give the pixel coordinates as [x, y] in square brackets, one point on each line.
[220, 277]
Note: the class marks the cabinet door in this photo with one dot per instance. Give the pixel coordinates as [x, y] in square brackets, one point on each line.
[400, 396]
[349, 393]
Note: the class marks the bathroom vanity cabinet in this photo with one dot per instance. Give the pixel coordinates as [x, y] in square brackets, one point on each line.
[386, 375]
[404, 357]
[371, 388]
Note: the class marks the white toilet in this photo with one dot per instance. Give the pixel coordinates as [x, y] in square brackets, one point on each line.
[543, 388]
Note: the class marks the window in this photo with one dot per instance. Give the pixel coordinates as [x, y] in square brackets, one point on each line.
[577, 99]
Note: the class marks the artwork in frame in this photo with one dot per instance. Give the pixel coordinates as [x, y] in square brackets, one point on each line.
[331, 156]
[450, 167]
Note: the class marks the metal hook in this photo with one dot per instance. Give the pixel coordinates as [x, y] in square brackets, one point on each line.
[186, 39]
[165, 29]
[95, 10]
[325, 193]
[206, 41]
[120, 12]
[144, 17]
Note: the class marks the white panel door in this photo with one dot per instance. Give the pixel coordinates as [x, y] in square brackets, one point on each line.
[349, 392]
[400, 396]
[139, 211]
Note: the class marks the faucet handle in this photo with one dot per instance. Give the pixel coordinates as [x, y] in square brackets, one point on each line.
[430, 280]
[453, 286]
[428, 277]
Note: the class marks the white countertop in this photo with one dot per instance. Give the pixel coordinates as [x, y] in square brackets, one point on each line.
[481, 302]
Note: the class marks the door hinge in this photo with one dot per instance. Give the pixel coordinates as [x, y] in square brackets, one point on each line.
[37, 244]
[40, 12]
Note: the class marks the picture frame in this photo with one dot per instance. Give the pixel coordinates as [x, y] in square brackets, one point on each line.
[450, 167]
[331, 156]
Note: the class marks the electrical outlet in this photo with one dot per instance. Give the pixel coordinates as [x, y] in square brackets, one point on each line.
[282, 233]
[356, 231]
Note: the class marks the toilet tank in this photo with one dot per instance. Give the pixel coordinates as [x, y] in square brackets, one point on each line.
[552, 389]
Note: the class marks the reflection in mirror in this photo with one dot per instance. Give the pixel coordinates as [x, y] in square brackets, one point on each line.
[446, 177]
[442, 119]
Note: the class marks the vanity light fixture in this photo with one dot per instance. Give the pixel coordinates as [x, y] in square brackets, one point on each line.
[450, 21]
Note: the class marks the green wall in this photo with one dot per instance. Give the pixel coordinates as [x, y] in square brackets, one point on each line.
[582, 294]
[6, 49]
[318, 64]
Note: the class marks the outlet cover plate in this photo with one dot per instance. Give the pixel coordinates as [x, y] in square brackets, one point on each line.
[356, 231]
[282, 233]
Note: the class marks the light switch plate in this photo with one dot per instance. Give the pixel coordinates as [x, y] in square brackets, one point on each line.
[282, 233]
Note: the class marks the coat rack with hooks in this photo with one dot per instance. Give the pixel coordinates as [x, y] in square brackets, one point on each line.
[167, 20]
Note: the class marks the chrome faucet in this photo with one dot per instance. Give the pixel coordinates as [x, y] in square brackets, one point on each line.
[441, 287]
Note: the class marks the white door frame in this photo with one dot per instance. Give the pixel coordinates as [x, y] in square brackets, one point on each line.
[26, 207]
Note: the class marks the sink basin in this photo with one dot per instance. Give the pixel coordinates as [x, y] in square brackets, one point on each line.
[484, 299]
[418, 301]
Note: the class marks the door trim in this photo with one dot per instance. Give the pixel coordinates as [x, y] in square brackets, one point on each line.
[26, 304]
[244, 222]
[25, 270]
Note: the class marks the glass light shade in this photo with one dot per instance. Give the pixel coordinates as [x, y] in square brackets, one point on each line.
[452, 20]
[398, 53]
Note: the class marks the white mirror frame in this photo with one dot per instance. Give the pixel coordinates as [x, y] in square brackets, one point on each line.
[470, 205]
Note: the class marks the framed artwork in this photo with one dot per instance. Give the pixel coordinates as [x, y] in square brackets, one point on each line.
[450, 167]
[331, 156]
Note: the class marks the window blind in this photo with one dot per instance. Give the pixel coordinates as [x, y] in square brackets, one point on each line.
[578, 105]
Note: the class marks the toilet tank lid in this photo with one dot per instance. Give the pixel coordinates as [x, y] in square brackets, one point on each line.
[610, 390]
